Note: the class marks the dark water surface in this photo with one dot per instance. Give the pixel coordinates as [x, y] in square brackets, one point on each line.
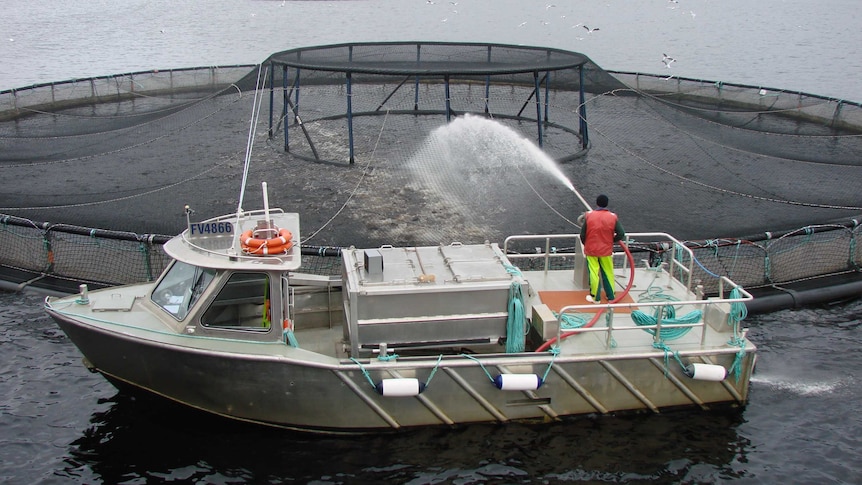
[62, 424]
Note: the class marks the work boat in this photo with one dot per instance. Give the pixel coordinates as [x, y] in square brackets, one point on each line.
[412, 336]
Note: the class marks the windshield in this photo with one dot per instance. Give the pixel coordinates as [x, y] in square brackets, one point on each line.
[181, 287]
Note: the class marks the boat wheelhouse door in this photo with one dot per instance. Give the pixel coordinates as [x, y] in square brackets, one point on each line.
[246, 305]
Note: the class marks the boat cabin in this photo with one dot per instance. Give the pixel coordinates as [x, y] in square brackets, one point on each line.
[388, 299]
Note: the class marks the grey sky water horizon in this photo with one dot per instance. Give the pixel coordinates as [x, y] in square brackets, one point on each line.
[784, 44]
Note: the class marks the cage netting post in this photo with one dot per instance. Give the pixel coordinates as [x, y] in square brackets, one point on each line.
[416, 91]
[350, 116]
[271, 95]
[582, 109]
[284, 99]
[448, 101]
[296, 96]
[488, 84]
[537, 84]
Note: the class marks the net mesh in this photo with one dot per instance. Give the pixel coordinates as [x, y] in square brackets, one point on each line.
[422, 144]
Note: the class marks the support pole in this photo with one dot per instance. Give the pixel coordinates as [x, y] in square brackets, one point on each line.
[271, 96]
[296, 96]
[284, 99]
[538, 105]
[488, 84]
[350, 107]
[448, 103]
[350, 115]
[582, 110]
[416, 90]
[547, 93]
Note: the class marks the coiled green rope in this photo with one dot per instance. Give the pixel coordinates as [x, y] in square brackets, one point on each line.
[738, 312]
[667, 313]
[516, 322]
[669, 318]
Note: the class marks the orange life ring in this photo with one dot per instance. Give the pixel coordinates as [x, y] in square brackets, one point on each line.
[277, 245]
[265, 250]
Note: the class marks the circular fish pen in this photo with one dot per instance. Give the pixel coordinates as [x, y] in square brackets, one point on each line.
[325, 101]
[421, 144]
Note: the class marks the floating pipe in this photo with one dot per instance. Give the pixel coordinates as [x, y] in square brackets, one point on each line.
[788, 298]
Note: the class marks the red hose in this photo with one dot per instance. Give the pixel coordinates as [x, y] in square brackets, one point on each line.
[545, 346]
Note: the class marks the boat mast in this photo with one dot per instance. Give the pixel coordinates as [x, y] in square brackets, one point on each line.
[252, 129]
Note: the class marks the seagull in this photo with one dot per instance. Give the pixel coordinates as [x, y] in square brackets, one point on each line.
[522, 24]
[550, 5]
[589, 30]
[667, 60]
[576, 25]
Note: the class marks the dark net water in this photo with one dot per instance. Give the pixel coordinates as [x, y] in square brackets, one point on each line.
[693, 158]
[422, 144]
[62, 424]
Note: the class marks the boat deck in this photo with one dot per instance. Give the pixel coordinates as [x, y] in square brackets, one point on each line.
[614, 332]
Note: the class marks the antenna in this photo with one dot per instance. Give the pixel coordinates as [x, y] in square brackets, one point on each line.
[252, 129]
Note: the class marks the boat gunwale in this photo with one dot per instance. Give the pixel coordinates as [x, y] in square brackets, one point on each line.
[406, 362]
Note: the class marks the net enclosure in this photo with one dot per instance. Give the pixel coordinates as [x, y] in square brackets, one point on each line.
[424, 143]
[435, 80]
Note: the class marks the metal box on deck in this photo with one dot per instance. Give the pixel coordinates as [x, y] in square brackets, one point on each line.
[426, 296]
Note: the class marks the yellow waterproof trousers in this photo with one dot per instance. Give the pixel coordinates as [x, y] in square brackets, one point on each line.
[601, 268]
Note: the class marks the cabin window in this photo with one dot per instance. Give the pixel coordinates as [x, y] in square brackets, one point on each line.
[242, 304]
[181, 287]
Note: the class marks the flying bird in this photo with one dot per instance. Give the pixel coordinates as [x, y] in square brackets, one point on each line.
[589, 30]
[667, 60]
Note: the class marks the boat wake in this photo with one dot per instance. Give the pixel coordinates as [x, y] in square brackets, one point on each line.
[801, 387]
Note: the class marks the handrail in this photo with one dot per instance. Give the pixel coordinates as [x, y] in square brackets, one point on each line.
[579, 248]
[676, 263]
[746, 296]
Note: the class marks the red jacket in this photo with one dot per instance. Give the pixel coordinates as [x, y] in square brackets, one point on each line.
[599, 232]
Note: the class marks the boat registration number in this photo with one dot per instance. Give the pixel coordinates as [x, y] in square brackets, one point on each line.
[211, 229]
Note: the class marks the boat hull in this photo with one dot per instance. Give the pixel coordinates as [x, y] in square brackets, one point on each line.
[292, 388]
